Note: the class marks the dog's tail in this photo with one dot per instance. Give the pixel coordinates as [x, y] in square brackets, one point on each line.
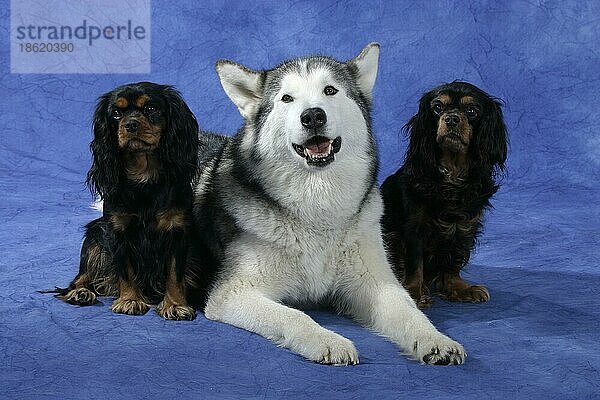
[57, 291]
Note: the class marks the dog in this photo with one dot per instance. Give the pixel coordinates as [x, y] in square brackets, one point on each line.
[434, 204]
[145, 152]
[289, 210]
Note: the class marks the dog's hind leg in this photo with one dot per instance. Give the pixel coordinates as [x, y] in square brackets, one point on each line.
[369, 292]
[92, 268]
[450, 286]
[447, 282]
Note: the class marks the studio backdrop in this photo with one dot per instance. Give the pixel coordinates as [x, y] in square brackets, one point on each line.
[538, 255]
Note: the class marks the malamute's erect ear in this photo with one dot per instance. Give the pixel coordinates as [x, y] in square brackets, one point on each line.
[242, 85]
[366, 64]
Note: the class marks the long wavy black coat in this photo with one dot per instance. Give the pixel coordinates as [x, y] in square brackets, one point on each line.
[145, 153]
[435, 203]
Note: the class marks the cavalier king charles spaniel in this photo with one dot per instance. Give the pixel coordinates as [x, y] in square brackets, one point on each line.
[434, 204]
[145, 152]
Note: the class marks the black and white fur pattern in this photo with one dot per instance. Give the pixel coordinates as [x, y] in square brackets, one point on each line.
[283, 233]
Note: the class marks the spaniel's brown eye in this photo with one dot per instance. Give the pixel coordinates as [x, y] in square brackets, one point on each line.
[472, 112]
[287, 98]
[437, 109]
[116, 114]
[330, 90]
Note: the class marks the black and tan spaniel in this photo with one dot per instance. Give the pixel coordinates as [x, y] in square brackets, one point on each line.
[435, 203]
[145, 152]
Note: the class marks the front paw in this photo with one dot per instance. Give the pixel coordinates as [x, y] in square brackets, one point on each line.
[80, 296]
[176, 312]
[129, 307]
[330, 348]
[438, 349]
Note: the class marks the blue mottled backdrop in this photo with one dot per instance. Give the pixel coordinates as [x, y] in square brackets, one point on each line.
[537, 337]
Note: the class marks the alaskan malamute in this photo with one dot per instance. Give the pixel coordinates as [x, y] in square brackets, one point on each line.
[289, 210]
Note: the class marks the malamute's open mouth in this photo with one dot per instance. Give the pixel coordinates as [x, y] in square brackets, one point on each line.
[318, 150]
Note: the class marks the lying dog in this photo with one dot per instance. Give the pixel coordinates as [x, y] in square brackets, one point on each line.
[435, 203]
[145, 151]
[289, 211]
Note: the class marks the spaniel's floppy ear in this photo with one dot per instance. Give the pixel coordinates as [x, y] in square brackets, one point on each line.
[179, 144]
[243, 86]
[421, 154]
[103, 176]
[491, 141]
[366, 64]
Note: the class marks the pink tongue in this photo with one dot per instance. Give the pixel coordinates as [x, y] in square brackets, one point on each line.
[319, 148]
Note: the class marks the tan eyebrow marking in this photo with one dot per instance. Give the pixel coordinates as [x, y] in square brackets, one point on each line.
[444, 98]
[121, 102]
[143, 99]
[467, 100]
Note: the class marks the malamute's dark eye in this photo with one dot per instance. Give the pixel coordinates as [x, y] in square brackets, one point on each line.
[330, 90]
[287, 98]
[116, 114]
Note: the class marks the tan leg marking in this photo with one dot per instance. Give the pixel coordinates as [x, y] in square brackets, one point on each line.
[130, 300]
[120, 221]
[174, 305]
[452, 287]
[171, 219]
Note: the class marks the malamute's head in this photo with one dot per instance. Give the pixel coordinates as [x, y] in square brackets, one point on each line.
[308, 110]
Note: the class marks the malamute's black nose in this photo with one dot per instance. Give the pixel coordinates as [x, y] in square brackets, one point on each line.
[313, 118]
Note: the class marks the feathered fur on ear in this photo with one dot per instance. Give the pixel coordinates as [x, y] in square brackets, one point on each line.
[179, 145]
[421, 155]
[491, 141]
[103, 176]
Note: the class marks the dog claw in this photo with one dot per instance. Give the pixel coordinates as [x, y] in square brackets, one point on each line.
[176, 312]
[80, 296]
[129, 307]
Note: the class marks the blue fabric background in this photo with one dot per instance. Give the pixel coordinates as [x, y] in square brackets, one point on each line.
[536, 338]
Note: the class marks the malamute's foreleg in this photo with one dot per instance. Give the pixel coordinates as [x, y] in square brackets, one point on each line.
[288, 327]
[370, 293]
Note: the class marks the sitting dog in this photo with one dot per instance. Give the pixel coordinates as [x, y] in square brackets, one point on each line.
[145, 152]
[289, 213]
[434, 204]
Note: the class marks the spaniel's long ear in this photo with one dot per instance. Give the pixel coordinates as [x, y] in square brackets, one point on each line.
[104, 174]
[491, 141]
[179, 145]
[421, 154]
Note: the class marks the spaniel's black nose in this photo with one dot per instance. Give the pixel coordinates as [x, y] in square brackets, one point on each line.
[451, 120]
[132, 126]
